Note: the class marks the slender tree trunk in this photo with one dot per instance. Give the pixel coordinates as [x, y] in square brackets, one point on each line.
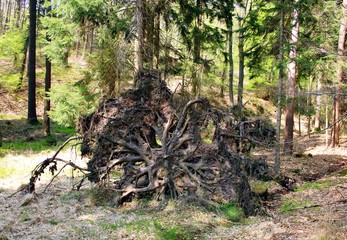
[231, 62]
[48, 81]
[318, 102]
[139, 38]
[196, 52]
[24, 61]
[85, 46]
[279, 98]
[7, 15]
[32, 117]
[47, 103]
[157, 39]
[289, 123]
[339, 76]
[91, 42]
[18, 13]
[309, 104]
[299, 123]
[241, 70]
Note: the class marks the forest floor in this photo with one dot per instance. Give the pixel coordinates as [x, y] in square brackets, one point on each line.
[316, 209]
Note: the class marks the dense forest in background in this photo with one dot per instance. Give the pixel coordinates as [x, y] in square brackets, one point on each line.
[288, 52]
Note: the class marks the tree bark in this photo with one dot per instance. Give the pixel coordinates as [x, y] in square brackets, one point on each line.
[157, 37]
[196, 51]
[241, 70]
[339, 76]
[231, 62]
[289, 122]
[32, 117]
[24, 61]
[139, 38]
[48, 81]
[317, 121]
[277, 166]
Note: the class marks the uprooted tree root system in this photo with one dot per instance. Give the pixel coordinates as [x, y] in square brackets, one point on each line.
[160, 149]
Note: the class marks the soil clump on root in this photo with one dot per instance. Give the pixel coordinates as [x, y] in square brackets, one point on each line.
[159, 150]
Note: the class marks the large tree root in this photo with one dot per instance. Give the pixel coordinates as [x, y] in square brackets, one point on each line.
[142, 145]
[160, 151]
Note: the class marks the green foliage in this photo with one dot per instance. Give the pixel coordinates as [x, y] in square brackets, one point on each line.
[70, 102]
[260, 187]
[25, 217]
[61, 39]
[314, 185]
[9, 81]
[11, 44]
[232, 212]
[290, 205]
[343, 172]
[54, 222]
[110, 67]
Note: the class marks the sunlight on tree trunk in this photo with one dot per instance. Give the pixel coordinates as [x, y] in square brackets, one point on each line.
[277, 166]
[339, 77]
[139, 39]
[289, 123]
[317, 121]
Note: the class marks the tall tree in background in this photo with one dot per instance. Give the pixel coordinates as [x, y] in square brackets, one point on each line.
[48, 76]
[280, 86]
[139, 42]
[339, 76]
[242, 12]
[32, 117]
[292, 75]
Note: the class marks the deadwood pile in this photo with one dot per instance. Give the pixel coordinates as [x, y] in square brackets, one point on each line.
[158, 149]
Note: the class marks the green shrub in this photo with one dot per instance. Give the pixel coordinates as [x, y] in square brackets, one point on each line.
[70, 101]
[232, 212]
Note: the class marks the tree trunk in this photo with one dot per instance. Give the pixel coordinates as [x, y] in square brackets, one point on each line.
[85, 36]
[339, 76]
[289, 123]
[48, 78]
[241, 67]
[1, 16]
[32, 117]
[24, 61]
[7, 15]
[309, 105]
[18, 13]
[231, 62]
[196, 51]
[138, 62]
[318, 102]
[225, 68]
[91, 42]
[279, 98]
[157, 39]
